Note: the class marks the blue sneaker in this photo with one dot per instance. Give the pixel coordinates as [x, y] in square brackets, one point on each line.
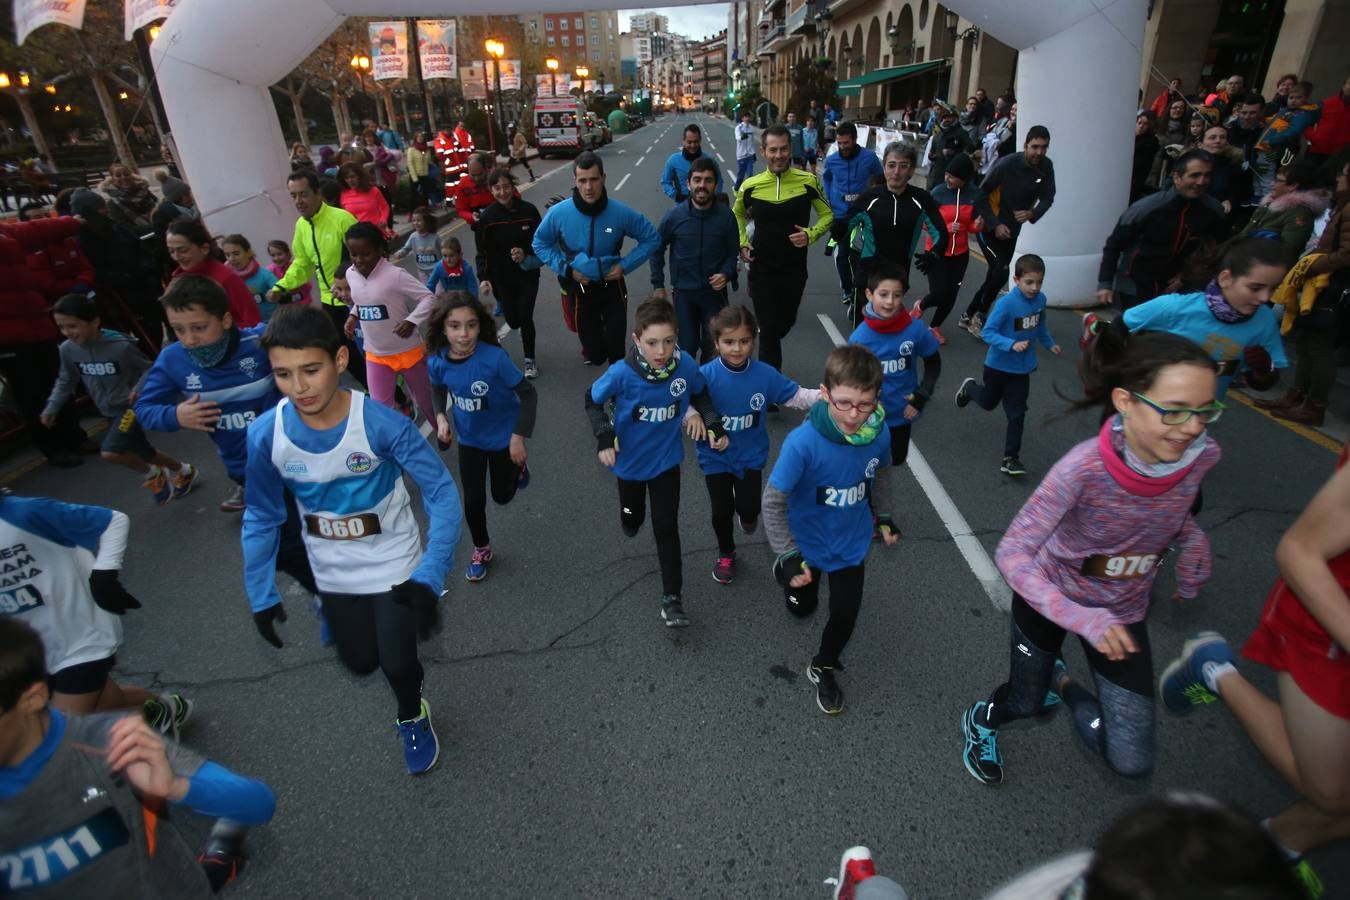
[420, 747]
[325, 636]
[981, 756]
[157, 483]
[478, 564]
[1052, 697]
[524, 480]
[1182, 684]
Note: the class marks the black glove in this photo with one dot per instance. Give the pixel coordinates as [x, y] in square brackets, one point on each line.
[925, 261]
[264, 620]
[788, 566]
[886, 524]
[422, 599]
[605, 440]
[109, 593]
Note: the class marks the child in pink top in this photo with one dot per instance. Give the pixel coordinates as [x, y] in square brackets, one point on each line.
[389, 304]
[280, 254]
[1082, 554]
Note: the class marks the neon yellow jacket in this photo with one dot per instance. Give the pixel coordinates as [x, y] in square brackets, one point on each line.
[316, 249]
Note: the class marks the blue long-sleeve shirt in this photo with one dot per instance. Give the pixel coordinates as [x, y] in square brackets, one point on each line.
[702, 242]
[675, 175]
[465, 280]
[845, 178]
[1016, 318]
[394, 441]
[568, 239]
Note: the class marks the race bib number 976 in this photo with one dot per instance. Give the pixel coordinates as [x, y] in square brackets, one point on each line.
[1133, 565]
[343, 528]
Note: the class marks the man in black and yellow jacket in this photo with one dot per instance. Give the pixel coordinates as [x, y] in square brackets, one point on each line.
[779, 201]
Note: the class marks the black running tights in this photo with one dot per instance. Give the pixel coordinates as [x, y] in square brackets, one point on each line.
[517, 298]
[374, 631]
[732, 496]
[664, 490]
[476, 468]
[846, 589]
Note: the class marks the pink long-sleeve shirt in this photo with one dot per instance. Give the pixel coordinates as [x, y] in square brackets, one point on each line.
[1081, 510]
[383, 299]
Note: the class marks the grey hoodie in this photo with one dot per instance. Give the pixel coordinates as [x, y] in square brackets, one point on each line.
[110, 368]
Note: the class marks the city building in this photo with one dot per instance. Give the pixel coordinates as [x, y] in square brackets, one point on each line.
[588, 39]
[647, 23]
[706, 73]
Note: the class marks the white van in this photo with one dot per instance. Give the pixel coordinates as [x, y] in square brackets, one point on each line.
[560, 127]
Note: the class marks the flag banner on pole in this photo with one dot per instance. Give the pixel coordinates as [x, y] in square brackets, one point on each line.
[141, 13]
[436, 47]
[510, 70]
[471, 81]
[30, 15]
[388, 50]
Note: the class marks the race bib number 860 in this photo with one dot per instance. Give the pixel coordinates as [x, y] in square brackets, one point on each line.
[344, 528]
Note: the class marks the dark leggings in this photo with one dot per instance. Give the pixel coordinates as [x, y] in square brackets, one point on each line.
[998, 257]
[476, 468]
[356, 360]
[517, 298]
[373, 631]
[846, 588]
[776, 294]
[602, 319]
[1012, 390]
[944, 283]
[732, 496]
[665, 493]
[1117, 723]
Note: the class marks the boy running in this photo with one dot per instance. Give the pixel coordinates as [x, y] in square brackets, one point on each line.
[816, 506]
[343, 458]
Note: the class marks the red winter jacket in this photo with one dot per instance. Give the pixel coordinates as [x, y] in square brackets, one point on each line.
[471, 197]
[1332, 131]
[39, 261]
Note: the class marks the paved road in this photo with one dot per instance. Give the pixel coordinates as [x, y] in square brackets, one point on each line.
[588, 752]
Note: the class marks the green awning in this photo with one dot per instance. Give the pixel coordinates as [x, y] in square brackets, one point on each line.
[848, 91]
[852, 86]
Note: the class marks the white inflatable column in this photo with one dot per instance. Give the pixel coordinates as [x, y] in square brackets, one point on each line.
[214, 62]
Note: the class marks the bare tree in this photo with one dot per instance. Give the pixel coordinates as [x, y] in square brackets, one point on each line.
[294, 88]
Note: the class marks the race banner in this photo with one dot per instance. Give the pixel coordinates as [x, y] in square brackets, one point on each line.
[141, 13]
[436, 47]
[543, 85]
[388, 50]
[471, 81]
[30, 15]
[510, 71]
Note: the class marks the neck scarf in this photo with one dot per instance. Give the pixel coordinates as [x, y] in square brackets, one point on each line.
[1135, 475]
[1219, 305]
[895, 324]
[247, 271]
[648, 372]
[690, 156]
[420, 145]
[210, 355]
[824, 423]
[590, 209]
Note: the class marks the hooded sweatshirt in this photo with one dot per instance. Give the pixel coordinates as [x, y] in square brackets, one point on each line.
[109, 367]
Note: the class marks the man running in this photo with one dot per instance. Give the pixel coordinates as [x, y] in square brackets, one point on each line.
[675, 175]
[845, 177]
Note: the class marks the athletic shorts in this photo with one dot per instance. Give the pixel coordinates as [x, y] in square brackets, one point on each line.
[82, 678]
[1289, 640]
[125, 435]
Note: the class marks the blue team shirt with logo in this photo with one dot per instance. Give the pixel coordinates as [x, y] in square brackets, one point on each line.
[741, 398]
[648, 415]
[482, 395]
[899, 353]
[829, 487]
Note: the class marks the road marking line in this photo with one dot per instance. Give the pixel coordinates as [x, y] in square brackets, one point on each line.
[731, 175]
[977, 558]
[721, 157]
[619, 186]
[1302, 431]
[639, 162]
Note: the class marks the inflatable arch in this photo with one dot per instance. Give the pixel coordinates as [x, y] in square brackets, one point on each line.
[1077, 74]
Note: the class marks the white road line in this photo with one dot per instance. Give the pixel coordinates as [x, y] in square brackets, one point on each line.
[639, 162]
[721, 157]
[731, 175]
[619, 186]
[977, 558]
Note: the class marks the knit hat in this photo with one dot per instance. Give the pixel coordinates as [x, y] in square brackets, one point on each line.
[961, 167]
[175, 189]
[84, 201]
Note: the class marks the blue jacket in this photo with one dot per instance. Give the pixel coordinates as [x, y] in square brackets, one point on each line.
[845, 179]
[1014, 318]
[569, 239]
[675, 175]
[703, 242]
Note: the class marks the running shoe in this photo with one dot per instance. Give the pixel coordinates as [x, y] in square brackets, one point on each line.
[184, 480]
[235, 502]
[531, 369]
[325, 635]
[854, 866]
[1182, 684]
[523, 479]
[672, 612]
[829, 696]
[167, 712]
[1011, 465]
[478, 564]
[221, 858]
[158, 485]
[976, 326]
[1306, 876]
[916, 311]
[963, 393]
[942, 341]
[725, 570]
[1052, 697]
[748, 526]
[964, 322]
[420, 747]
[981, 756]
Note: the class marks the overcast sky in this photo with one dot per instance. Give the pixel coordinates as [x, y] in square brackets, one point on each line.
[700, 21]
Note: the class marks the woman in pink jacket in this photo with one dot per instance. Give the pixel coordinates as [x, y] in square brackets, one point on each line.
[362, 199]
[388, 304]
[1082, 554]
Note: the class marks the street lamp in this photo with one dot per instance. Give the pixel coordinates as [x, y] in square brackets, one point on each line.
[583, 73]
[495, 49]
[361, 63]
[552, 65]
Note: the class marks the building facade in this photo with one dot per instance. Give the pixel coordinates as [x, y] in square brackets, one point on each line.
[588, 39]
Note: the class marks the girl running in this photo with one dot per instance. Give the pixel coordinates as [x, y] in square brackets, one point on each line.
[945, 264]
[651, 389]
[280, 254]
[1303, 633]
[1082, 554]
[493, 409]
[452, 273]
[422, 244]
[510, 268]
[742, 388]
[389, 304]
[240, 258]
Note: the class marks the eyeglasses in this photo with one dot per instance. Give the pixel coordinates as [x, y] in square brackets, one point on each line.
[1182, 415]
[866, 407]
